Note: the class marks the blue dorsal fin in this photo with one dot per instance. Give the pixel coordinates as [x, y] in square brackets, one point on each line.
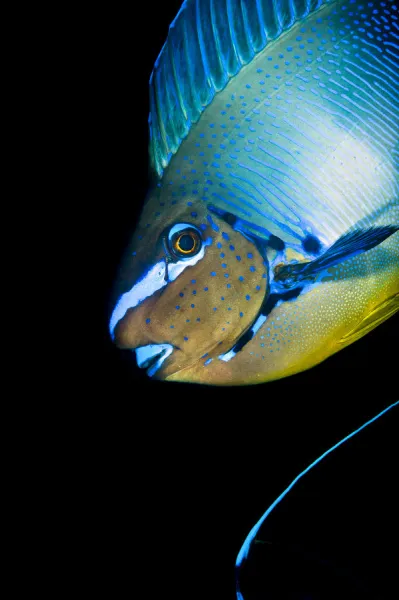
[208, 43]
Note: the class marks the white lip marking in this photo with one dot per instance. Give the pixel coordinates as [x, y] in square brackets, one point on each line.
[151, 282]
[145, 353]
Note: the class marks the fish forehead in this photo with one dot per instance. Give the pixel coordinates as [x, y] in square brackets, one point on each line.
[304, 139]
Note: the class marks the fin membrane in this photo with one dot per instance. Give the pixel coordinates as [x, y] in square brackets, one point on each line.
[208, 43]
[349, 245]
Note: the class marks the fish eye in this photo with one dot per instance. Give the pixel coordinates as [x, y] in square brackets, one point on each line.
[184, 241]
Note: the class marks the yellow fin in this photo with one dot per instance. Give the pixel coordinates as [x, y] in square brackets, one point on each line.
[378, 315]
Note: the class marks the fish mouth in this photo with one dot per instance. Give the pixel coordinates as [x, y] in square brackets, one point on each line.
[152, 356]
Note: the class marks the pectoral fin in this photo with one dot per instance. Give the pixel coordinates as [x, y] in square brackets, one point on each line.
[378, 315]
[349, 245]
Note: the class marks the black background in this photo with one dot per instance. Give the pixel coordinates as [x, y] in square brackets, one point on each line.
[182, 472]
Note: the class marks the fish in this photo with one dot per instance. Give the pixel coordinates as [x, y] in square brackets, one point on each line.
[268, 240]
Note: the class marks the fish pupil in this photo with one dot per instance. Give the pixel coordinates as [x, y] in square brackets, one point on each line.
[186, 242]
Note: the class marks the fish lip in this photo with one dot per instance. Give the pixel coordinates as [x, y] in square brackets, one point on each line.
[152, 356]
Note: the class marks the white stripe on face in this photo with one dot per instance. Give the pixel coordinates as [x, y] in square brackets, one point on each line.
[151, 282]
[155, 279]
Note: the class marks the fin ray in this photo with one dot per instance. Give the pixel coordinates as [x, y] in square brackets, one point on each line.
[348, 245]
[201, 55]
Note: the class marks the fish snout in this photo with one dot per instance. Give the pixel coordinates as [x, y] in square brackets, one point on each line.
[134, 332]
[131, 307]
[152, 356]
[134, 328]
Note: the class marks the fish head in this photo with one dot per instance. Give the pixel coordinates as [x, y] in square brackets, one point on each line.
[296, 136]
[187, 288]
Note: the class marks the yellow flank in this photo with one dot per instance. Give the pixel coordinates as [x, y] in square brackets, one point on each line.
[360, 294]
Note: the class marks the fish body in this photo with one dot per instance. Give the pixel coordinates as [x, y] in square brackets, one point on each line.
[269, 238]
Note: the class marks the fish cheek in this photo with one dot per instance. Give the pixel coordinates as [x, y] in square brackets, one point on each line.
[186, 312]
[211, 304]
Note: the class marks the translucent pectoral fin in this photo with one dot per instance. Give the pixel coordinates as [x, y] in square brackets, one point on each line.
[378, 315]
[348, 245]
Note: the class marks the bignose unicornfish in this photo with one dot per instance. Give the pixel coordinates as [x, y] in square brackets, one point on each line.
[269, 237]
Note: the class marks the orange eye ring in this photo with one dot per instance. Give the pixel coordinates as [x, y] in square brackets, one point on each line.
[186, 243]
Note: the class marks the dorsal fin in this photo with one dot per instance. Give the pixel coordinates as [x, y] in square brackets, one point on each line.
[208, 43]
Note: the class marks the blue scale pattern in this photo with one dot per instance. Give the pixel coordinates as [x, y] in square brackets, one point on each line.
[200, 56]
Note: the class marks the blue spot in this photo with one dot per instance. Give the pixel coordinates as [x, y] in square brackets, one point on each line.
[177, 307]
[212, 223]
[224, 265]
[241, 278]
[198, 319]
[218, 245]
[238, 257]
[213, 273]
[172, 326]
[231, 247]
[203, 226]
[193, 214]
[181, 294]
[222, 297]
[208, 361]
[186, 338]
[134, 253]
[193, 281]
[194, 292]
[205, 289]
[222, 255]
[258, 287]
[193, 305]
[204, 355]
[247, 297]
[148, 320]
[252, 268]
[241, 314]
[250, 255]
[229, 285]
[225, 235]
[214, 308]
[226, 275]
[229, 308]
[187, 320]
